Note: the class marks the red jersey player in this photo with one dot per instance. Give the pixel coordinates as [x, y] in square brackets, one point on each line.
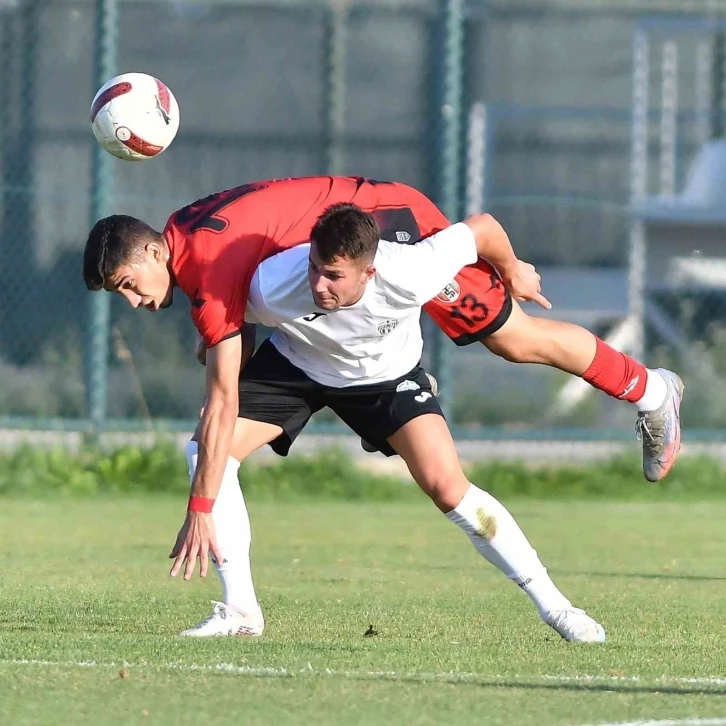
[210, 249]
[243, 226]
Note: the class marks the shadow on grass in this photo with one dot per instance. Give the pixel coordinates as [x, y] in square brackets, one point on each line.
[607, 688]
[474, 681]
[641, 575]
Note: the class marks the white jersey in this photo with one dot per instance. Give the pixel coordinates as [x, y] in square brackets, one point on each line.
[376, 339]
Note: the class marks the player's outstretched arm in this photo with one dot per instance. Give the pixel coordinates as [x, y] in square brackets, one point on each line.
[196, 539]
[492, 244]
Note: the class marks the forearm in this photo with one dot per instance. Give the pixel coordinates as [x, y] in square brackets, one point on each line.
[492, 243]
[214, 436]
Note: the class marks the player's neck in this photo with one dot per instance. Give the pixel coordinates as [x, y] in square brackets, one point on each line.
[357, 300]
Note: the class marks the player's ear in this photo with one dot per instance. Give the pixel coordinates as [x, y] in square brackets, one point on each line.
[369, 272]
[155, 250]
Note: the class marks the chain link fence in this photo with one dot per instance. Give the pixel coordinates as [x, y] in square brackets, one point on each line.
[524, 109]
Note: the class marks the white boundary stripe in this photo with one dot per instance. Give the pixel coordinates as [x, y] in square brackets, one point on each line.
[444, 677]
[669, 722]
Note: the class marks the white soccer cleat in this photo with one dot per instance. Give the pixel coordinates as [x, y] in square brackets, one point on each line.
[575, 625]
[225, 620]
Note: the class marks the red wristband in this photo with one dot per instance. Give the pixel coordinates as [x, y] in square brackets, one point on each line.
[200, 504]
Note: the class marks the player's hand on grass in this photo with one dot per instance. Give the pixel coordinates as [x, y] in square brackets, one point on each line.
[525, 285]
[196, 539]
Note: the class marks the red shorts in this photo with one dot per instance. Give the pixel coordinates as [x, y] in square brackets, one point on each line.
[472, 306]
[475, 303]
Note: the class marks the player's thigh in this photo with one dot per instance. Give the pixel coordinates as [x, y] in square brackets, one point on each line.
[473, 306]
[249, 435]
[377, 411]
[530, 339]
[517, 329]
[426, 445]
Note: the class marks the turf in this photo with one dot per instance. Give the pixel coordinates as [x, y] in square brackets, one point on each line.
[88, 618]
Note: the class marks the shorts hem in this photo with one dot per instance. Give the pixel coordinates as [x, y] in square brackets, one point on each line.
[386, 449]
[491, 328]
[280, 445]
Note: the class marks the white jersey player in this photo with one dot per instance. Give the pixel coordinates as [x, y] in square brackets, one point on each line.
[379, 337]
[347, 336]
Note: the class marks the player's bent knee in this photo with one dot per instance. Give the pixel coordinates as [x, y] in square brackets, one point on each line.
[446, 489]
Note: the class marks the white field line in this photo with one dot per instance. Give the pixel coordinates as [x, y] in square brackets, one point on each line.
[447, 677]
[669, 722]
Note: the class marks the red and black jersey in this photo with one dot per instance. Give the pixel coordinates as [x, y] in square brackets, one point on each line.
[216, 243]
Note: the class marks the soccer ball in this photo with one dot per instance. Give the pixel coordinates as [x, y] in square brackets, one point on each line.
[134, 116]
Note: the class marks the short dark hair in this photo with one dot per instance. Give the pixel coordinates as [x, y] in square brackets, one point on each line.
[345, 230]
[113, 242]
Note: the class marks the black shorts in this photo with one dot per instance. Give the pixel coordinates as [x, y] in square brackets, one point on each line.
[273, 390]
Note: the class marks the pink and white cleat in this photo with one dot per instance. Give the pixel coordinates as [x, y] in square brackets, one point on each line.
[660, 430]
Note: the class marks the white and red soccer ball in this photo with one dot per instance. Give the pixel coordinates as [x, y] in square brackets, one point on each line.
[134, 116]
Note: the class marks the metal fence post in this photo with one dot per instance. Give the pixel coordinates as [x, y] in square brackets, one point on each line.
[718, 84]
[449, 107]
[477, 157]
[668, 119]
[19, 59]
[102, 187]
[638, 190]
[334, 82]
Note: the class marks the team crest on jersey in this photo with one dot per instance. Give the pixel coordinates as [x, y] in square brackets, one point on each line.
[450, 293]
[407, 386]
[387, 326]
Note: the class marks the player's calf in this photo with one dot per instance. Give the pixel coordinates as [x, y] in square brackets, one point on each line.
[498, 538]
[656, 394]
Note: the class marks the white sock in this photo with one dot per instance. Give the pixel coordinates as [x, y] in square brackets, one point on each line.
[498, 538]
[232, 525]
[656, 390]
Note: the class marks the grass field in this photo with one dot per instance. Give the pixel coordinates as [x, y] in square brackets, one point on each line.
[88, 618]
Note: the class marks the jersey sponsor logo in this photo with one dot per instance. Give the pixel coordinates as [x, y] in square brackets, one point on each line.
[407, 386]
[387, 326]
[313, 316]
[450, 294]
[397, 225]
[423, 397]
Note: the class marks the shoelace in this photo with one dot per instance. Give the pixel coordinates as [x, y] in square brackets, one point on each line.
[219, 609]
[650, 430]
